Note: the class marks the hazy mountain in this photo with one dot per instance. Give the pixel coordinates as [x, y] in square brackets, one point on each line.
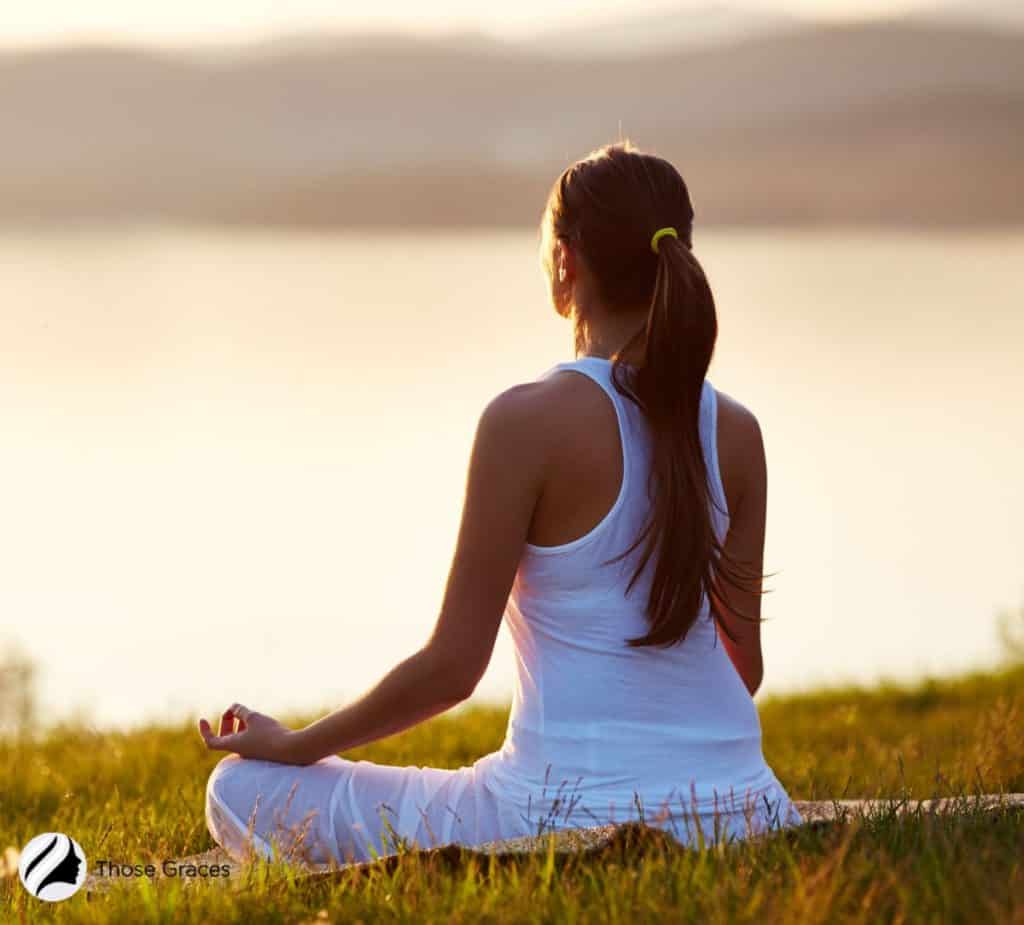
[879, 122]
[661, 29]
[996, 14]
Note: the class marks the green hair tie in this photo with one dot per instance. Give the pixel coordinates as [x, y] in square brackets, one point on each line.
[661, 233]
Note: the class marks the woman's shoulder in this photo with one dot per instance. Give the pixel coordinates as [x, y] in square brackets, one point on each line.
[559, 416]
[740, 446]
[558, 397]
[735, 418]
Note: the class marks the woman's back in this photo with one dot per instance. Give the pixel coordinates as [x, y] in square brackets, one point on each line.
[613, 723]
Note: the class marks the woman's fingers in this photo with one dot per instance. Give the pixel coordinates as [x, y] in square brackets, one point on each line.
[236, 712]
[225, 742]
[242, 713]
[205, 731]
[229, 734]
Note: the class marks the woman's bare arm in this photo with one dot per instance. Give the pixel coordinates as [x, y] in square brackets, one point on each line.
[503, 485]
[744, 473]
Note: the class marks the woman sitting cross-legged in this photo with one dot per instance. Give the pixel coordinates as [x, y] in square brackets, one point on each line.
[615, 515]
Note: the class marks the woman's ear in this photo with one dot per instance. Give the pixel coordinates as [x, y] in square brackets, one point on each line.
[565, 261]
[564, 279]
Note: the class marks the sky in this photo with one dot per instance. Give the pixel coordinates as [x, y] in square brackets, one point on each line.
[47, 22]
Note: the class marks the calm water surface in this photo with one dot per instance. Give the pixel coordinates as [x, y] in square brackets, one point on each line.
[232, 464]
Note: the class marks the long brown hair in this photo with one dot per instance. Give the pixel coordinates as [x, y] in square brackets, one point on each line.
[609, 205]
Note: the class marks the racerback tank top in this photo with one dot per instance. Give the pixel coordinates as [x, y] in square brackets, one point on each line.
[594, 720]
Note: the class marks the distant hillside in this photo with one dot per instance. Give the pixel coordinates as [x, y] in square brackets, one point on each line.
[882, 123]
[663, 28]
[1000, 14]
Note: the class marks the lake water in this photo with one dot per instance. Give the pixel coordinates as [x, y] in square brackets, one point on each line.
[231, 464]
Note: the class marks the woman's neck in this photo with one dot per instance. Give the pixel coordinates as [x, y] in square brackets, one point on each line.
[606, 335]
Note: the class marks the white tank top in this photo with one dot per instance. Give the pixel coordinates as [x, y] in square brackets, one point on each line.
[594, 720]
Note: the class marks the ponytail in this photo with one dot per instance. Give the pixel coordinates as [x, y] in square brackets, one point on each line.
[679, 340]
[676, 344]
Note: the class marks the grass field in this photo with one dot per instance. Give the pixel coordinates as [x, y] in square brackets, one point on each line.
[138, 797]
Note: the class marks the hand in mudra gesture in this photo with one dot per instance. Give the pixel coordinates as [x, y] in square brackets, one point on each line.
[256, 735]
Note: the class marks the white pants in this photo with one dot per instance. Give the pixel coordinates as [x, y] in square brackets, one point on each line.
[338, 811]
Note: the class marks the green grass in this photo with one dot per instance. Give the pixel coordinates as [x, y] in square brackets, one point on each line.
[138, 797]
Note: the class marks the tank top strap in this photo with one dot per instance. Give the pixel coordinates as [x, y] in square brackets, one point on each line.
[708, 428]
[596, 368]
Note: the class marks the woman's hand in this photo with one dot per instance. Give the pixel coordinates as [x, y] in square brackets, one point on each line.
[257, 736]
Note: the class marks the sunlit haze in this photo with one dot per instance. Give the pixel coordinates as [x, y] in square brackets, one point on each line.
[256, 298]
[197, 21]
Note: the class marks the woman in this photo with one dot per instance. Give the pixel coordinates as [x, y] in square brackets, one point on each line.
[615, 514]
